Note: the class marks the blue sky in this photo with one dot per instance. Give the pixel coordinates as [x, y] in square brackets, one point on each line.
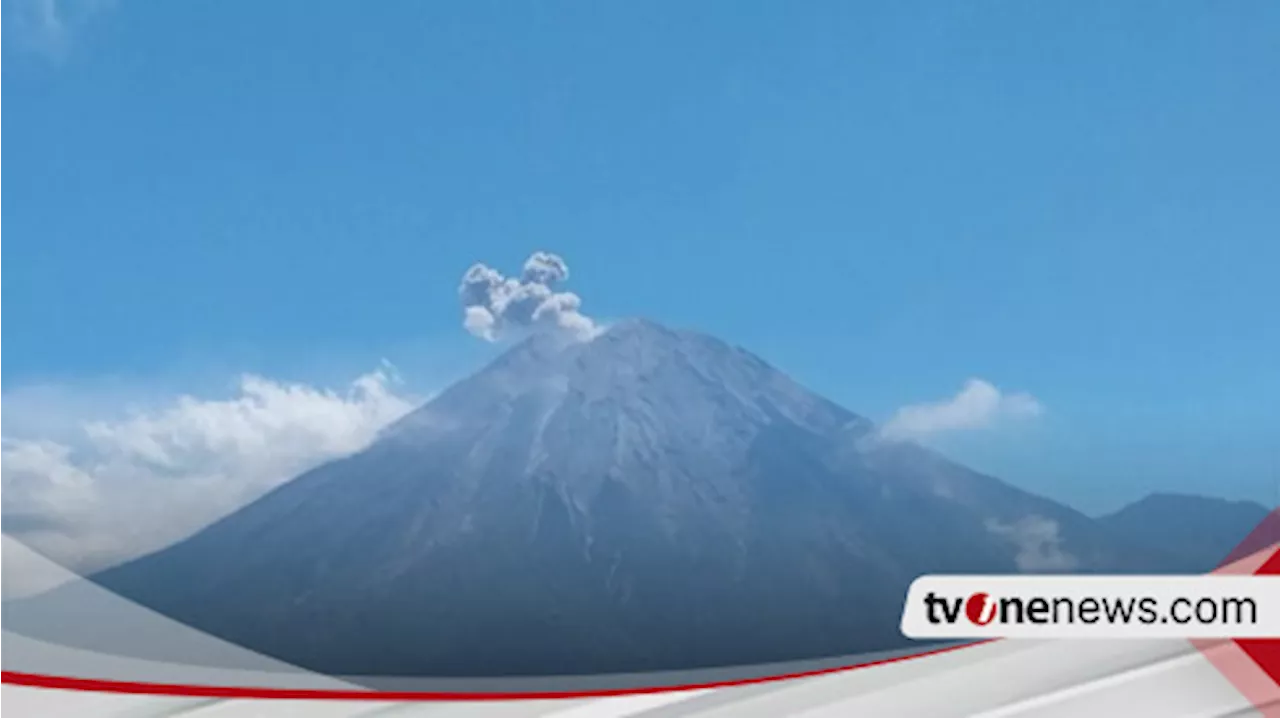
[1078, 200]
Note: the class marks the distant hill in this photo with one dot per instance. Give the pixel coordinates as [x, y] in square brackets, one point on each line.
[650, 499]
[1198, 532]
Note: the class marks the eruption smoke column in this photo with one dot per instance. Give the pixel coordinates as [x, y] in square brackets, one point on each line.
[494, 304]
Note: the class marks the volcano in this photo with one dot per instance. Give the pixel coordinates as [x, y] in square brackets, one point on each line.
[649, 499]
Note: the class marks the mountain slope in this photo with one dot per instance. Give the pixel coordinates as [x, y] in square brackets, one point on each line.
[647, 500]
[1198, 531]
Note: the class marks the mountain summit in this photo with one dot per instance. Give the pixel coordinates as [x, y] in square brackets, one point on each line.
[649, 499]
[1200, 530]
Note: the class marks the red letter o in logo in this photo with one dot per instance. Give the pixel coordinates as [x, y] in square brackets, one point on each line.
[980, 609]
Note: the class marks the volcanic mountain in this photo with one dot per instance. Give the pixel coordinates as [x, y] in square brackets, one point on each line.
[1201, 531]
[648, 499]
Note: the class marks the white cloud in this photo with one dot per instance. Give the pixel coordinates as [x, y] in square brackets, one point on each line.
[977, 406]
[119, 488]
[1038, 542]
[47, 27]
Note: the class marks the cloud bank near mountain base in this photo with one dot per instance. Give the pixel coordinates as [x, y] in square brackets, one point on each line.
[112, 490]
[1039, 544]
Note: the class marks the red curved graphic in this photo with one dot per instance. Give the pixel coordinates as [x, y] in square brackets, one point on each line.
[196, 691]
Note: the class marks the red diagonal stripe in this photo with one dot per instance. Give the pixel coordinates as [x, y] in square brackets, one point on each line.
[1266, 652]
[1266, 533]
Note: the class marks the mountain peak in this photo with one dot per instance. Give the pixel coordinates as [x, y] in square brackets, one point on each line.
[638, 325]
[549, 347]
[1167, 501]
[1204, 529]
[638, 378]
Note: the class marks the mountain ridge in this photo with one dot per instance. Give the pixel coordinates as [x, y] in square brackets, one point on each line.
[650, 499]
[1203, 530]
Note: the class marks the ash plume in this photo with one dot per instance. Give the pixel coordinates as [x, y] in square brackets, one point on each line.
[494, 304]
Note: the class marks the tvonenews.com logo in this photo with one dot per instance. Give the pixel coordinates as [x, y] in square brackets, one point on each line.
[1093, 607]
[982, 609]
